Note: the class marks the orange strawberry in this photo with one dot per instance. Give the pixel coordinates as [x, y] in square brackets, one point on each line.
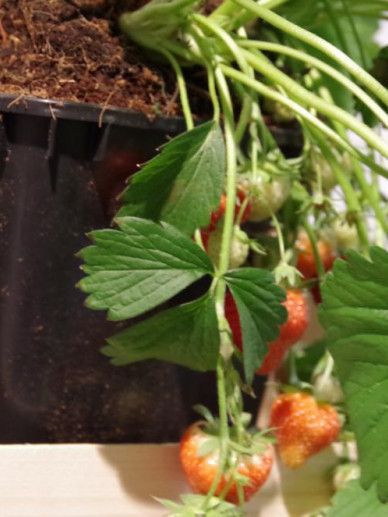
[306, 261]
[201, 470]
[302, 427]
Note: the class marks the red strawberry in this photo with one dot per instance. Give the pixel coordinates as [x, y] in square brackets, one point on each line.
[231, 314]
[201, 470]
[290, 332]
[216, 216]
[219, 213]
[302, 427]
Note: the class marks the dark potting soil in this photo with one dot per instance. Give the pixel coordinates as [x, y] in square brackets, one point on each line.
[72, 50]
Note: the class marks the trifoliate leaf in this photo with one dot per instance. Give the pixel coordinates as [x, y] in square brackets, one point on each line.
[186, 335]
[260, 310]
[183, 183]
[354, 501]
[138, 266]
[355, 314]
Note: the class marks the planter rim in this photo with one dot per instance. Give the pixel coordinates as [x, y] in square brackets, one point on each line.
[124, 117]
[86, 112]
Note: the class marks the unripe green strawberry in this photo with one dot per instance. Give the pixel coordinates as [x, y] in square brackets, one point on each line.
[327, 388]
[316, 164]
[239, 247]
[346, 236]
[266, 197]
[344, 473]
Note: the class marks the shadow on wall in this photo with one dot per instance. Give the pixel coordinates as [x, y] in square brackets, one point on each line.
[145, 472]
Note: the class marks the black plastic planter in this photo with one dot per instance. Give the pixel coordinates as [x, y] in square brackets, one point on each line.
[61, 167]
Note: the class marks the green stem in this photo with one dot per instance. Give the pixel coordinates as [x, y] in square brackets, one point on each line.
[213, 93]
[353, 205]
[226, 14]
[199, 38]
[304, 115]
[266, 91]
[182, 89]
[319, 43]
[369, 191]
[224, 430]
[314, 244]
[261, 64]
[231, 170]
[323, 67]
[226, 39]
[279, 233]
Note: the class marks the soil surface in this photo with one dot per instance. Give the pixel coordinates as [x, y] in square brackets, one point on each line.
[72, 50]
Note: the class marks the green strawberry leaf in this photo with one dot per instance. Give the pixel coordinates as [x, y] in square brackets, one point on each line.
[355, 314]
[199, 506]
[134, 268]
[186, 335]
[354, 501]
[183, 183]
[261, 313]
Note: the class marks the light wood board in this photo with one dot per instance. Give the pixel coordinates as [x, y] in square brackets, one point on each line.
[89, 480]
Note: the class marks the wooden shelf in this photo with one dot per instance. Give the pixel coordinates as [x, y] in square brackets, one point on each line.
[119, 481]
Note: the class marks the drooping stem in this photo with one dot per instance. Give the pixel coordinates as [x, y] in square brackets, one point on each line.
[228, 41]
[323, 67]
[279, 233]
[231, 171]
[369, 191]
[304, 115]
[266, 91]
[184, 98]
[352, 202]
[305, 97]
[223, 266]
[319, 43]
[226, 14]
[224, 430]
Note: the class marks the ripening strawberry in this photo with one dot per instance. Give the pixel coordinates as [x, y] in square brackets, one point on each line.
[220, 212]
[290, 332]
[201, 470]
[302, 426]
[305, 258]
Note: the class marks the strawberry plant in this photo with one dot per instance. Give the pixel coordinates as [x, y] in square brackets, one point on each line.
[181, 216]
